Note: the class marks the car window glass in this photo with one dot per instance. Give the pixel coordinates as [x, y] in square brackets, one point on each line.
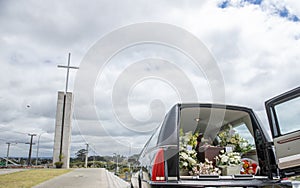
[154, 138]
[144, 149]
[288, 114]
[244, 132]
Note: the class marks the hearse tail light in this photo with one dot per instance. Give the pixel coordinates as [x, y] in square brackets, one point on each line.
[158, 170]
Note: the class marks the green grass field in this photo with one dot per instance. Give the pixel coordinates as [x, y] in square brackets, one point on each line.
[29, 178]
[297, 178]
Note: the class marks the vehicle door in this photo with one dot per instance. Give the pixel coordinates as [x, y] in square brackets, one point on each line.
[284, 118]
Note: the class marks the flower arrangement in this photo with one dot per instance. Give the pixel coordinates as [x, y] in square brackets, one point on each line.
[227, 163]
[205, 168]
[228, 137]
[249, 167]
[228, 159]
[187, 152]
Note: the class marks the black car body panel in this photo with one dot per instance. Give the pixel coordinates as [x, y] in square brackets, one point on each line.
[213, 117]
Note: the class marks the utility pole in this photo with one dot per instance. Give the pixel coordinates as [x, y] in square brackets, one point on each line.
[7, 155]
[30, 148]
[94, 157]
[86, 155]
[8, 149]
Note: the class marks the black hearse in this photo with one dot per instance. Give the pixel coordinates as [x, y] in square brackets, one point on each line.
[159, 163]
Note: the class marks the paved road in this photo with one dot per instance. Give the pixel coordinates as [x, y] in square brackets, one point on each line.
[82, 178]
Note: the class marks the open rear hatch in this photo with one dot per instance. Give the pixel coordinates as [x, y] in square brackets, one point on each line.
[284, 118]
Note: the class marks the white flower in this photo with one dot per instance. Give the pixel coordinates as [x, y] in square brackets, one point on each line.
[231, 158]
[184, 155]
[185, 164]
[224, 159]
[191, 160]
[186, 139]
[243, 144]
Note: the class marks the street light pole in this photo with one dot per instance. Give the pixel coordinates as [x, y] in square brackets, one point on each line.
[129, 153]
[86, 155]
[37, 149]
[117, 168]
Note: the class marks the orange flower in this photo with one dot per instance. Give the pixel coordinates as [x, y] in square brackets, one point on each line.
[249, 167]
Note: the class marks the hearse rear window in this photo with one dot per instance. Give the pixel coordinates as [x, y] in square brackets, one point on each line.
[216, 141]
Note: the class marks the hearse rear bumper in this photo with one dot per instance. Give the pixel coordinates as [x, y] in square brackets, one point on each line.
[223, 182]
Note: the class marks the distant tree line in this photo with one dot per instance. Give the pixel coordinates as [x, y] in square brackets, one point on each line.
[108, 162]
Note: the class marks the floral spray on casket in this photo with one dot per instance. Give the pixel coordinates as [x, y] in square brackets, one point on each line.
[188, 162]
[229, 162]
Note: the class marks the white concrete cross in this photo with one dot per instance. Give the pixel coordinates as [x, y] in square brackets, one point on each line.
[62, 131]
[68, 67]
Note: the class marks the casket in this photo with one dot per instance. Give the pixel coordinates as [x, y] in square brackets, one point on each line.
[208, 152]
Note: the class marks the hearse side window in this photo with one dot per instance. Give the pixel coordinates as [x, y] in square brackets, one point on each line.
[154, 138]
[144, 149]
[168, 133]
[288, 116]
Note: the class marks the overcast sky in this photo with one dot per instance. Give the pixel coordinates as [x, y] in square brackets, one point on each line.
[255, 45]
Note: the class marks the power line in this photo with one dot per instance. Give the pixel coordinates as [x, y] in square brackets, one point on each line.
[83, 138]
[80, 133]
[12, 131]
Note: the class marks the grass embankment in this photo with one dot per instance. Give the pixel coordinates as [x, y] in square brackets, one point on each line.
[29, 178]
[297, 178]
